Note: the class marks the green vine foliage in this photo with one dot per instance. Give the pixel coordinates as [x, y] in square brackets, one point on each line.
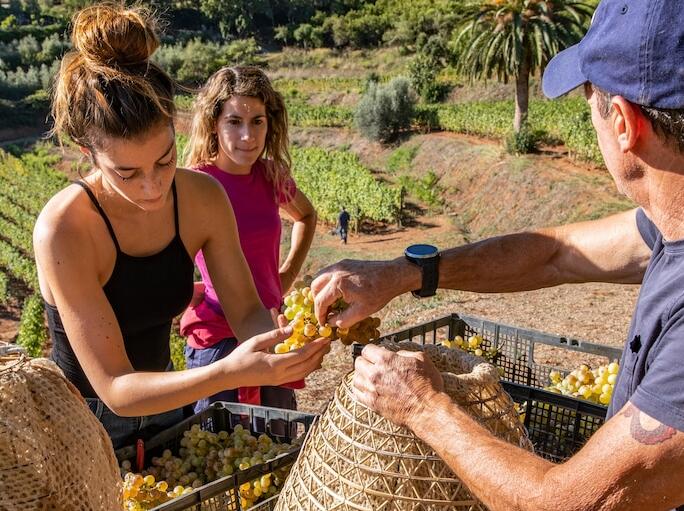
[177, 345]
[332, 179]
[32, 331]
[4, 289]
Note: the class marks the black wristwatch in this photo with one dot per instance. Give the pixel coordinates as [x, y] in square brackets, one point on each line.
[427, 258]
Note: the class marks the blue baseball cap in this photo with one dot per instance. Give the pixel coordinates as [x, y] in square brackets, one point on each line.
[633, 49]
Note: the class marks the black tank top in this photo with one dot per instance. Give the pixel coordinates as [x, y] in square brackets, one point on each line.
[146, 293]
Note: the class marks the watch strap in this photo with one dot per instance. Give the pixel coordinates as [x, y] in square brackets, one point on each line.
[429, 269]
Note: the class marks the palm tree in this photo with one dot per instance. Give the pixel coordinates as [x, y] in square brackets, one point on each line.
[511, 39]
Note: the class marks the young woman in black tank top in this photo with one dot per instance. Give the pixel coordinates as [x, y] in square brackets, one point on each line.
[115, 253]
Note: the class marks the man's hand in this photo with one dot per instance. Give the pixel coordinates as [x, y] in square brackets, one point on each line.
[366, 286]
[395, 385]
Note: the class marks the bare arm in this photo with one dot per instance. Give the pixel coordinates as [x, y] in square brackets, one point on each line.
[628, 464]
[606, 250]
[303, 213]
[616, 470]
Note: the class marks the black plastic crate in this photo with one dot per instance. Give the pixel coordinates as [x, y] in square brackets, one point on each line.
[266, 505]
[518, 348]
[223, 494]
[558, 425]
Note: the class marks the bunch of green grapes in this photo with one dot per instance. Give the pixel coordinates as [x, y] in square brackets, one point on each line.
[299, 311]
[141, 493]
[473, 345]
[594, 385]
[264, 487]
[203, 457]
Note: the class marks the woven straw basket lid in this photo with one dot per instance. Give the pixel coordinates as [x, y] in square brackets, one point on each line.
[353, 459]
[54, 453]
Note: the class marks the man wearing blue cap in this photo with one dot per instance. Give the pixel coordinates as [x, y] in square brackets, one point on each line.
[631, 65]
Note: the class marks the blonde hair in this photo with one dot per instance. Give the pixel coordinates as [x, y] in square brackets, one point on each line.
[225, 83]
[107, 86]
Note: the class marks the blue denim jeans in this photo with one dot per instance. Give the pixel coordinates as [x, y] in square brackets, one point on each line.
[126, 430]
[277, 397]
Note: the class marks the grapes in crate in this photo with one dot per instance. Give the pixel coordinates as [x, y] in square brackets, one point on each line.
[203, 457]
[594, 385]
[474, 344]
[141, 493]
[299, 311]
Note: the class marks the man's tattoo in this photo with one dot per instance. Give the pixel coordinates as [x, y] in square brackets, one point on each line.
[646, 436]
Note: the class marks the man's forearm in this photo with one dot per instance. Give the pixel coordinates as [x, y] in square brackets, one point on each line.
[515, 262]
[503, 476]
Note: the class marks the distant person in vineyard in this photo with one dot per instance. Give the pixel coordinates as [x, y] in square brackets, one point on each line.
[343, 224]
[630, 64]
[115, 250]
[239, 137]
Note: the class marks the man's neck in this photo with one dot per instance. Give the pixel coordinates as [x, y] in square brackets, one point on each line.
[665, 202]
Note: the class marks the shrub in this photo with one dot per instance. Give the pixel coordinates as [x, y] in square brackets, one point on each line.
[384, 112]
[423, 70]
[28, 49]
[9, 55]
[244, 52]
[52, 48]
[309, 36]
[522, 142]
[32, 332]
[282, 33]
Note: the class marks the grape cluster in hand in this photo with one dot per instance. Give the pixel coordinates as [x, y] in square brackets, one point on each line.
[299, 311]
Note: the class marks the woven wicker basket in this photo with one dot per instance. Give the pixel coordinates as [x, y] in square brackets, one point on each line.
[353, 459]
[54, 453]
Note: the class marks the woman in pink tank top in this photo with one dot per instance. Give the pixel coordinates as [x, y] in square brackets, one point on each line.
[239, 136]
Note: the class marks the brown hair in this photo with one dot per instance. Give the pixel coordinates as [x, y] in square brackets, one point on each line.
[223, 85]
[668, 124]
[107, 86]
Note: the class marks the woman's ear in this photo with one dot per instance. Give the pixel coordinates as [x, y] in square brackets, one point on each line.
[87, 153]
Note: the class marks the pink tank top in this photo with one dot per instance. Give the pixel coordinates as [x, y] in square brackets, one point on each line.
[259, 227]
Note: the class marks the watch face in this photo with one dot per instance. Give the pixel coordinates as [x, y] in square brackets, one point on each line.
[421, 251]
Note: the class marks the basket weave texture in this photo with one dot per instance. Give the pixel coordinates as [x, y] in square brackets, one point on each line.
[354, 459]
[54, 453]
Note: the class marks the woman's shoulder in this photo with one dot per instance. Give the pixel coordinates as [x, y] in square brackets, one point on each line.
[66, 217]
[198, 187]
[194, 178]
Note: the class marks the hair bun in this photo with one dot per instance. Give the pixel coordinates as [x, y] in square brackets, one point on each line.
[112, 35]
